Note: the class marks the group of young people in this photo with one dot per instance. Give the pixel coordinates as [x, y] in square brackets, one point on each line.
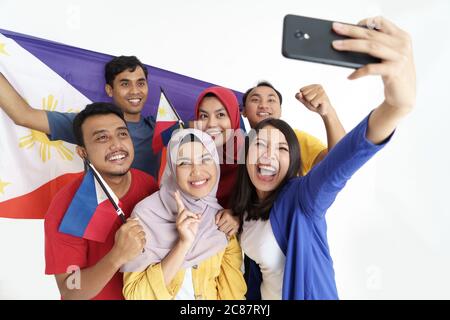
[224, 196]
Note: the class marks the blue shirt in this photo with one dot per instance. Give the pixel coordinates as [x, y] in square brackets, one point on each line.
[298, 220]
[141, 133]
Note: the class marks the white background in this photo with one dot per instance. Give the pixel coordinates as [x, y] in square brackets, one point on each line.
[389, 230]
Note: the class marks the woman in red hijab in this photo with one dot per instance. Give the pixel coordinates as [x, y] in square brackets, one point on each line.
[217, 113]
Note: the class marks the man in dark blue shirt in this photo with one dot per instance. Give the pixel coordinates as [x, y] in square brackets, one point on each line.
[126, 84]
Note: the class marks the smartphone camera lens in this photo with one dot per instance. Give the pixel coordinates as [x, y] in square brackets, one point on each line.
[301, 35]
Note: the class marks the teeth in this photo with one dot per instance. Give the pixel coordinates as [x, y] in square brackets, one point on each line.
[135, 101]
[198, 183]
[117, 157]
[267, 170]
[213, 132]
[263, 114]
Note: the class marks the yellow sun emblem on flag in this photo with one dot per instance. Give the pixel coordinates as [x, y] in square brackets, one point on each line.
[3, 184]
[2, 49]
[41, 138]
[162, 111]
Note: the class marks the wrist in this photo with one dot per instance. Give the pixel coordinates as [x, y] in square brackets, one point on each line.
[329, 115]
[116, 258]
[184, 245]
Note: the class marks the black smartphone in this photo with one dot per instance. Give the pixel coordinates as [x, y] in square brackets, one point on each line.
[310, 39]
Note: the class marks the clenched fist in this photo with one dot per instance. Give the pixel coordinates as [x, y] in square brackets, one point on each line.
[315, 99]
[129, 240]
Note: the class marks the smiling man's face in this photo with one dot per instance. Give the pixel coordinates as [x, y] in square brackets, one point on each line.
[108, 144]
[261, 103]
[129, 91]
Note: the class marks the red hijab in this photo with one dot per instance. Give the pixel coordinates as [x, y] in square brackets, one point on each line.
[228, 172]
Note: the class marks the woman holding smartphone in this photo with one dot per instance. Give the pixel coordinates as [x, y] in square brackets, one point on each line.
[284, 229]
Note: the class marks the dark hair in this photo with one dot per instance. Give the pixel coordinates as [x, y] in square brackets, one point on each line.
[245, 199]
[261, 84]
[209, 95]
[120, 64]
[93, 109]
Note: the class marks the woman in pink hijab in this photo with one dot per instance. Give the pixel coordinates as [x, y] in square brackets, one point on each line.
[186, 256]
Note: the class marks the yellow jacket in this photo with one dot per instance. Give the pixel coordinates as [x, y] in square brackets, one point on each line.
[216, 278]
[310, 147]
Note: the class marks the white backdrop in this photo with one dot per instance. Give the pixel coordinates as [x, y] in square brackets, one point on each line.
[388, 230]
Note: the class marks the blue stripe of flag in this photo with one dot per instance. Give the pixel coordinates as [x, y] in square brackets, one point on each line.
[81, 209]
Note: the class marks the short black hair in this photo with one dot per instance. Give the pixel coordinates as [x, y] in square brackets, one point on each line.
[93, 109]
[119, 65]
[245, 198]
[261, 84]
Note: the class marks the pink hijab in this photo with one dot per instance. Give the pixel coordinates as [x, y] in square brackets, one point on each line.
[158, 212]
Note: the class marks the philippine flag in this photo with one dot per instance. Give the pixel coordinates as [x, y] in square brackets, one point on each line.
[167, 120]
[57, 77]
[34, 167]
[93, 211]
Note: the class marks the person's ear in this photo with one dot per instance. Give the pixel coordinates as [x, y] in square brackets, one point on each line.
[109, 90]
[243, 113]
[81, 151]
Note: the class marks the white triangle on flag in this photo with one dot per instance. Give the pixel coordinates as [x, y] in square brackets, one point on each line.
[101, 196]
[165, 111]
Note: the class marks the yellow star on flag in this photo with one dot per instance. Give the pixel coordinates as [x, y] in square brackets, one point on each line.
[3, 185]
[2, 49]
